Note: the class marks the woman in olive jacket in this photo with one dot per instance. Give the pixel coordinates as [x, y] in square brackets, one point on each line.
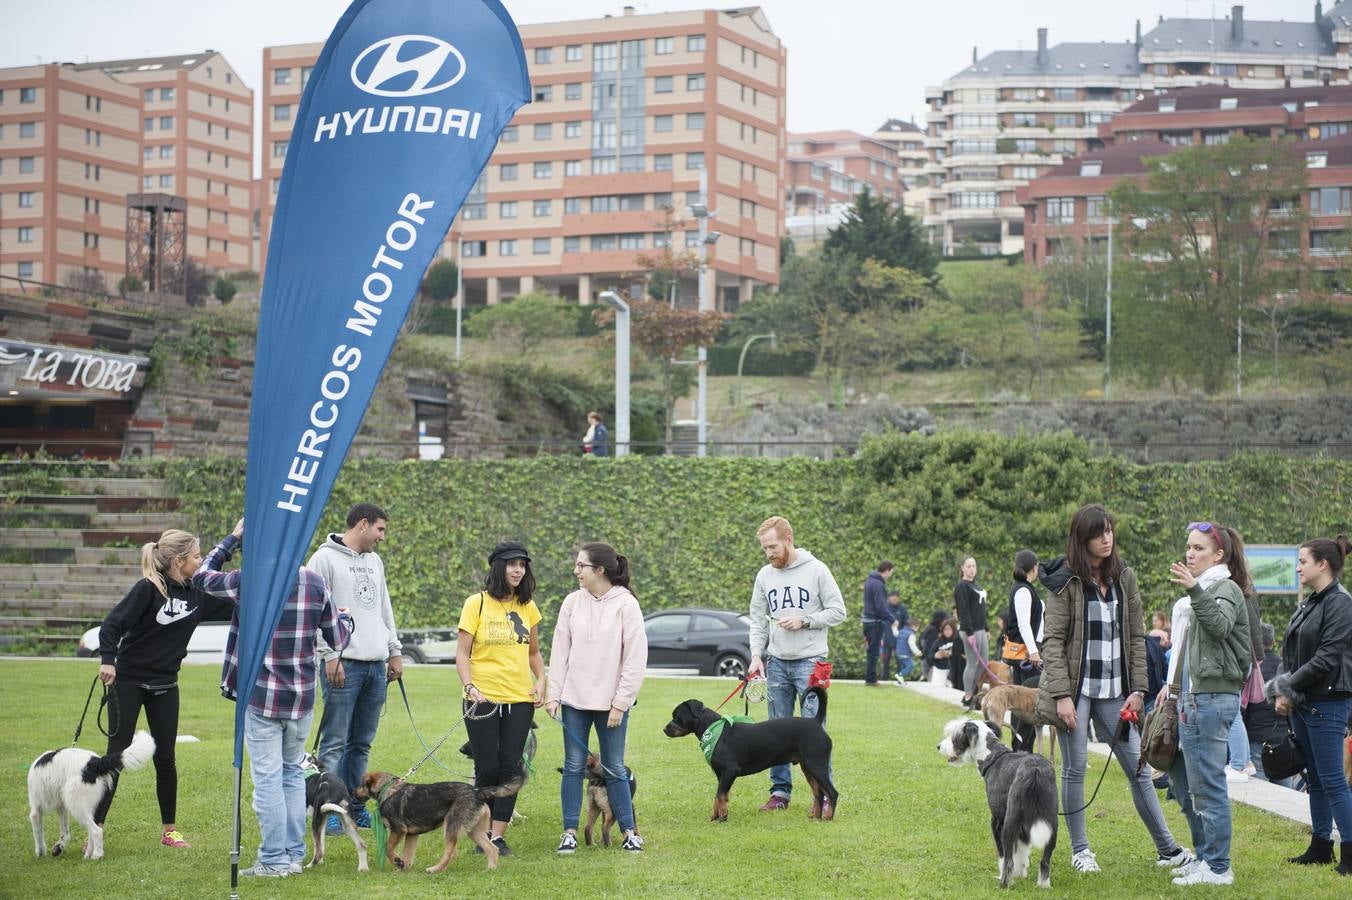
[1093, 654]
[1314, 687]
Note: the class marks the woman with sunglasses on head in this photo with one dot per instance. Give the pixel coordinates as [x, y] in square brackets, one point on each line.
[1314, 687]
[142, 643]
[1212, 656]
[1093, 655]
[596, 667]
[497, 654]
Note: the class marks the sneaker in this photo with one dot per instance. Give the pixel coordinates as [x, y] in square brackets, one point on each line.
[259, 870]
[501, 843]
[775, 802]
[362, 818]
[295, 867]
[1189, 867]
[1204, 875]
[632, 842]
[1251, 770]
[334, 825]
[899, 678]
[174, 839]
[1084, 861]
[1235, 774]
[567, 843]
[1175, 858]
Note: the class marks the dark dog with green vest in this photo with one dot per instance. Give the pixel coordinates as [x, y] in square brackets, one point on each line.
[737, 746]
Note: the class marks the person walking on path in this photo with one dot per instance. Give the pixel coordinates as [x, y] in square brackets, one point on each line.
[1093, 655]
[1314, 688]
[497, 657]
[142, 643]
[354, 680]
[596, 442]
[877, 617]
[794, 600]
[596, 666]
[969, 598]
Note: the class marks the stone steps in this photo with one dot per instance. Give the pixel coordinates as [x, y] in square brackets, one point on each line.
[89, 573]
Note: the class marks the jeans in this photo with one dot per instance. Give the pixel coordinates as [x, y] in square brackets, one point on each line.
[276, 747]
[786, 681]
[905, 663]
[1198, 773]
[1320, 736]
[499, 743]
[974, 660]
[351, 714]
[873, 635]
[576, 725]
[1238, 741]
[1074, 758]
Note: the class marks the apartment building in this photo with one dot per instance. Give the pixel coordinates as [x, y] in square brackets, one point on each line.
[70, 152]
[1013, 115]
[825, 171]
[197, 143]
[628, 112]
[908, 139]
[1066, 210]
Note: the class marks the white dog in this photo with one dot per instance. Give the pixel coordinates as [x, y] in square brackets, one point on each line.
[76, 782]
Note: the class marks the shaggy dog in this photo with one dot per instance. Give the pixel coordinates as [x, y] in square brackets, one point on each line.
[409, 810]
[79, 783]
[1020, 704]
[747, 748]
[326, 793]
[1021, 792]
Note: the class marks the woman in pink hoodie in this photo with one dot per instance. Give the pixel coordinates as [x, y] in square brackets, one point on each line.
[596, 666]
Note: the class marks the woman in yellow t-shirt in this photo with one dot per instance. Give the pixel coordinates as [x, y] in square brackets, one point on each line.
[497, 653]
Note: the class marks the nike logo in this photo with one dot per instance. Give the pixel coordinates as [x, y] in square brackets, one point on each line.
[172, 611]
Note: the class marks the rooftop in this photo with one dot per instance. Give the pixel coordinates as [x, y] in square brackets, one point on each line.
[1255, 36]
[1069, 60]
[1209, 97]
[149, 63]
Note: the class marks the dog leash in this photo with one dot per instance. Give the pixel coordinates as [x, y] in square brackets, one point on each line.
[971, 641]
[740, 685]
[1117, 736]
[109, 699]
[430, 753]
[469, 714]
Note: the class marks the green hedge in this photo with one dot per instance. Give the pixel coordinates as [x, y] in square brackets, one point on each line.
[723, 361]
[688, 525]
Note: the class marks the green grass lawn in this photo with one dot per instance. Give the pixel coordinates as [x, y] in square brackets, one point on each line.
[908, 825]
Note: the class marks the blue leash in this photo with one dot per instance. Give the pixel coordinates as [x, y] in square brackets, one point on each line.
[583, 744]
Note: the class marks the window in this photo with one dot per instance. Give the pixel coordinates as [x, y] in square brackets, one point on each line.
[167, 122]
[281, 76]
[148, 183]
[509, 135]
[692, 239]
[572, 205]
[662, 162]
[694, 43]
[664, 45]
[1021, 120]
[28, 95]
[572, 90]
[26, 235]
[166, 93]
[603, 57]
[663, 123]
[1097, 118]
[1096, 208]
[91, 240]
[540, 245]
[1225, 69]
[694, 82]
[1028, 172]
[1333, 129]
[147, 153]
[544, 56]
[604, 242]
[28, 129]
[474, 211]
[661, 240]
[975, 200]
[605, 204]
[573, 53]
[662, 84]
[1216, 137]
[694, 121]
[694, 161]
[1324, 243]
[166, 151]
[25, 199]
[507, 248]
[1091, 167]
[1326, 201]
[572, 244]
[544, 170]
[1178, 139]
[1067, 120]
[572, 129]
[1023, 94]
[229, 78]
[604, 165]
[631, 241]
[1065, 94]
[1229, 102]
[150, 123]
[572, 167]
[986, 120]
[167, 181]
[1316, 160]
[507, 172]
[1064, 146]
[507, 209]
[541, 208]
[25, 269]
[544, 93]
[542, 131]
[278, 150]
[150, 95]
[281, 112]
[473, 249]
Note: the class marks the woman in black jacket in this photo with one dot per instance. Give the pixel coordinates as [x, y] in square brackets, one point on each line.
[969, 598]
[142, 644]
[1314, 687]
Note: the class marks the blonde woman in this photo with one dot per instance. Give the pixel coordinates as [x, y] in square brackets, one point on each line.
[141, 646]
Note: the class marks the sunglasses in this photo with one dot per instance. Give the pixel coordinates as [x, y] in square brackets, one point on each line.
[1210, 528]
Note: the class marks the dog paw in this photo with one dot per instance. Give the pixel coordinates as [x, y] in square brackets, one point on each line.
[363, 867]
[400, 864]
[57, 848]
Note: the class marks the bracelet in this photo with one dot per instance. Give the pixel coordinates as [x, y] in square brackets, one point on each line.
[469, 687]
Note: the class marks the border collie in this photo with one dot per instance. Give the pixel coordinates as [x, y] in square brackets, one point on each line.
[1021, 792]
[76, 782]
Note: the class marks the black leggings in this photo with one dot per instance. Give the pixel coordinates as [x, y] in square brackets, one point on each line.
[161, 706]
[498, 743]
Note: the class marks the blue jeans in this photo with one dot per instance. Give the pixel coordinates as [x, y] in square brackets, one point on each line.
[905, 663]
[873, 636]
[1320, 736]
[1198, 773]
[576, 724]
[351, 714]
[1238, 740]
[786, 681]
[276, 747]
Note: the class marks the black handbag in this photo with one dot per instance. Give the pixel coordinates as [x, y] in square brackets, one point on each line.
[1282, 758]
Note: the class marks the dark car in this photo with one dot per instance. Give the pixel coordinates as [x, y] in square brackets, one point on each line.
[714, 641]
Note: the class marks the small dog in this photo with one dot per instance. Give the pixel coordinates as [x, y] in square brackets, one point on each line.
[409, 810]
[326, 793]
[1021, 793]
[79, 783]
[1020, 703]
[748, 748]
[598, 799]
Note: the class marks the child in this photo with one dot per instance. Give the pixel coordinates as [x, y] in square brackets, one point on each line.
[908, 650]
[889, 644]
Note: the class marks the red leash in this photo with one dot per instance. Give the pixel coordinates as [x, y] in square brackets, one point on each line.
[740, 684]
[971, 642]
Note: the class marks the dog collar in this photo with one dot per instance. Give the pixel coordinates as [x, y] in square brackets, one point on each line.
[380, 794]
[709, 740]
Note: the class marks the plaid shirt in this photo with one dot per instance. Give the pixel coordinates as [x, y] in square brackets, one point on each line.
[285, 688]
[1103, 646]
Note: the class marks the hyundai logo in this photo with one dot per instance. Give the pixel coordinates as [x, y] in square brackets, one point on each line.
[409, 65]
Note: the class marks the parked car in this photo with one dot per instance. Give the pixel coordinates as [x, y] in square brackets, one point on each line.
[429, 645]
[713, 641]
[207, 643]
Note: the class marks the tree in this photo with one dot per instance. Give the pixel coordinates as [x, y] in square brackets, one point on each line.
[875, 229]
[223, 289]
[522, 323]
[196, 283]
[441, 280]
[1199, 251]
[665, 267]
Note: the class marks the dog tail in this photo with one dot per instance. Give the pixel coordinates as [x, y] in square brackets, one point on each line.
[136, 755]
[820, 693]
[502, 790]
[1036, 787]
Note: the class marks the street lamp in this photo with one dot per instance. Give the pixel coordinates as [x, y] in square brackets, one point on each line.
[703, 214]
[774, 340]
[615, 301]
[459, 290]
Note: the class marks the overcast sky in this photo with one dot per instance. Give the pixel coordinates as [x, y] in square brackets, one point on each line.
[852, 63]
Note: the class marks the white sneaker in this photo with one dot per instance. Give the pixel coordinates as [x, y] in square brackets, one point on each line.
[1188, 868]
[1235, 775]
[1084, 861]
[1204, 875]
[1177, 860]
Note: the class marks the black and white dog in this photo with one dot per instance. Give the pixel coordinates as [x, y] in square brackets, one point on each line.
[1021, 791]
[326, 793]
[76, 782]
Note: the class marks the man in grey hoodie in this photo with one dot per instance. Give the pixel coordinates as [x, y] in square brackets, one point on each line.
[794, 601]
[354, 681]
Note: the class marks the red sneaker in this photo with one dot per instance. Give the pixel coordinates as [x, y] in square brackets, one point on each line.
[775, 802]
[174, 839]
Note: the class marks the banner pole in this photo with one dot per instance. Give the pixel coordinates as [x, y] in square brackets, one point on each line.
[234, 848]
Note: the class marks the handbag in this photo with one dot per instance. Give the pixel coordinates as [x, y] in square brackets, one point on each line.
[1013, 651]
[1252, 692]
[1282, 758]
[1159, 731]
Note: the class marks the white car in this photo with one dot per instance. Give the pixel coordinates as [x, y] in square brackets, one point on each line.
[207, 644]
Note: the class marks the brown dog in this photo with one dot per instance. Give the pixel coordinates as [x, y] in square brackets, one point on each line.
[1002, 672]
[598, 799]
[409, 810]
[1020, 703]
